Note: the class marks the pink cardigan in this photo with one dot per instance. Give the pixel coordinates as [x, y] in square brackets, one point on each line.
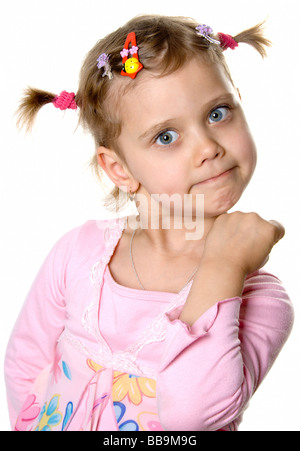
[135, 366]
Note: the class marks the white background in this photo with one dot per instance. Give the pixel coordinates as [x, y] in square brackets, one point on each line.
[47, 188]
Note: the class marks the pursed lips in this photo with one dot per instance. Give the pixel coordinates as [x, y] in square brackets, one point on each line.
[216, 177]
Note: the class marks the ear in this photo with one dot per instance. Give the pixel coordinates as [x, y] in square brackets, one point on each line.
[116, 169]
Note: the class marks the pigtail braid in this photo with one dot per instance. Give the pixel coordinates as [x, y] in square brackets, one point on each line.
[255, 37]
[30, 104]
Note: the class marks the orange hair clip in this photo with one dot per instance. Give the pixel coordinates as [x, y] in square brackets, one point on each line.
[131, 62]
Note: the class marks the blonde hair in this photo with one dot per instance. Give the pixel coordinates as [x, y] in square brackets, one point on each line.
[165, 44]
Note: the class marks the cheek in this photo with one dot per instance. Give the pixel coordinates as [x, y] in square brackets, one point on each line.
[251, 158]
[160, 175]
[246, 153]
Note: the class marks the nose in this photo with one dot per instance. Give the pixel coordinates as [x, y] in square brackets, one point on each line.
[206, 148]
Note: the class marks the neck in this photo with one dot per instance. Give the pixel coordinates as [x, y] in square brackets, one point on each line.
[171, 224]
[174, 236]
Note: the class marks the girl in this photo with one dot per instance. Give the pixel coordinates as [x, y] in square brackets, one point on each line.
[163, 321]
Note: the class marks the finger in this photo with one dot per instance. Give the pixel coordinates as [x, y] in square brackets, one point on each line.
[279, 231]
[265, 262]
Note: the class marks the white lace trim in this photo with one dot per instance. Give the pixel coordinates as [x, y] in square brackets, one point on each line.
[125, 361]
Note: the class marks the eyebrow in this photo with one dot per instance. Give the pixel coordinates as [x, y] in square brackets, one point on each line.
[153, 131]
[157, 128]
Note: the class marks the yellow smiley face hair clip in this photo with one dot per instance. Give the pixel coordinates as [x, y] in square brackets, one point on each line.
[131, 63]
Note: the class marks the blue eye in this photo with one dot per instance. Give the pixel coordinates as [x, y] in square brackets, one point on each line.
[166, 138]
[218, 115]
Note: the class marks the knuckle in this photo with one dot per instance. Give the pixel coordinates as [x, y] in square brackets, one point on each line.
[253, 216]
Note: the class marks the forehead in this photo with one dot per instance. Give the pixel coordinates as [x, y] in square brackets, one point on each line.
[157, 99]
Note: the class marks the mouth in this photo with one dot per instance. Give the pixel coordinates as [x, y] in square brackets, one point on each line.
[218, 177]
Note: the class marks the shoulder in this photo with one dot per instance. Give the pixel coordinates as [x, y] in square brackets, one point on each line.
[266, 284]
[89, 241]
[266, 301]
[91, 233]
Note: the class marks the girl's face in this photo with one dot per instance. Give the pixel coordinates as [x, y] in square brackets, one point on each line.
[186, 133]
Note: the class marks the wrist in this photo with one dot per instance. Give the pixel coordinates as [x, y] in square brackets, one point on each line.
[215, 281]
[220, 279]
[219, 266]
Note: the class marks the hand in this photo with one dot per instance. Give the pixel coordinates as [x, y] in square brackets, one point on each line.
[236, 245]
[242, 240]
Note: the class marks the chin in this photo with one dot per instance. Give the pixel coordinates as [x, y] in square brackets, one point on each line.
[221, 206]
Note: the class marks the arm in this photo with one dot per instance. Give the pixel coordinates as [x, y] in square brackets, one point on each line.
[216, 280]
[33, 340]
[210, 370]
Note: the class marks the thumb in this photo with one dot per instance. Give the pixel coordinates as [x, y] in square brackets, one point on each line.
[279, 231]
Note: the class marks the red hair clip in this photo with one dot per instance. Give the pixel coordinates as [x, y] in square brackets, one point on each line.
[131, 64]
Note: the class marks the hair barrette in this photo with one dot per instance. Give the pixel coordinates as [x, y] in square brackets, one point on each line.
[131, 64]
[103, 61]
[225, 40]
[205, 31]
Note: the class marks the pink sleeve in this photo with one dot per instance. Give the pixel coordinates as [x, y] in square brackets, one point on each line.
[33, 340]
[210, 371]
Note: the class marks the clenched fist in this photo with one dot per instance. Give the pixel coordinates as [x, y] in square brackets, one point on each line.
[237, 244]
[242, 240]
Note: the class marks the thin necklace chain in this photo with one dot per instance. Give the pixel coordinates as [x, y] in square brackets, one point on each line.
[135, 271]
